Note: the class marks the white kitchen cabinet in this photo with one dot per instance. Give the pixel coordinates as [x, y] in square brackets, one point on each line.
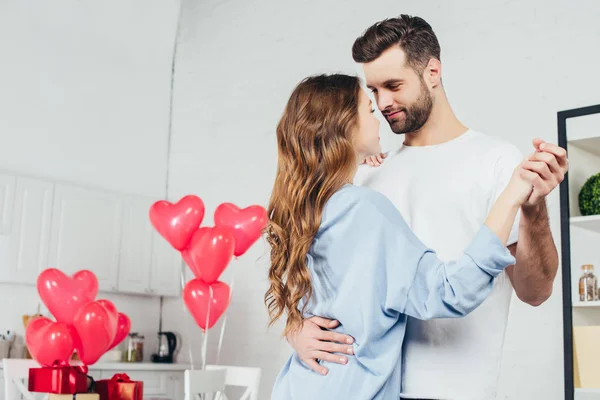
[165, 274]
[44, 224]
[86, 233]
[7, 192]
[27, 248]
[178, 386]
[136, 246]
[148, 264]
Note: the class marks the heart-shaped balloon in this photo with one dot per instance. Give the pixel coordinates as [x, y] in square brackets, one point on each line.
[64, 295]
[187, 258]
[113, 316]
[123, 327]
[93, 326]
[206, 302]
[177, 222]
[247, 224]
[48, 341]
[209, 252]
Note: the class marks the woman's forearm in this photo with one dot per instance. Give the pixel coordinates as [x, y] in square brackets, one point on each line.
[502, 216]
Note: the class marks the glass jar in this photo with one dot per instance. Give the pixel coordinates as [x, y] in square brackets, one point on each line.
[135, 348]
[588, 284]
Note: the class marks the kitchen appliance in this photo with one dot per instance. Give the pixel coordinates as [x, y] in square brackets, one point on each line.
[167, 345]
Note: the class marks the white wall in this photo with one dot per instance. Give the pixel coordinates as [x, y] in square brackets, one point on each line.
[84, 98]
[85, 91]
[508, 68]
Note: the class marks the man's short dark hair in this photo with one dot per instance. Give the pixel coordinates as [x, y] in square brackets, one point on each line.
[412, 34]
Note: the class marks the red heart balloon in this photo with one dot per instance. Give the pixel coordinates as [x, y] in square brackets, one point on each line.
[209, 252]
[199, 301]
[113, 316]
[177, 222]
[64, 295]
[247, 224]
[93, 326]
[123, 327]
[49, 341]
[187, 258]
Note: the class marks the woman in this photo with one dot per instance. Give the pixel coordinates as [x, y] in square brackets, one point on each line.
[345, 252]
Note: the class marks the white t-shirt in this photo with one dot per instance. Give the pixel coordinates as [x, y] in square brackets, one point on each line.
[445, 193]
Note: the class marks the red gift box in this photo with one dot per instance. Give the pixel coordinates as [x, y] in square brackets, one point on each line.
[120, 387]
[58, 379]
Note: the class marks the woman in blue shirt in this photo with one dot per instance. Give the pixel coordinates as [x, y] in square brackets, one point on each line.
[345, 253]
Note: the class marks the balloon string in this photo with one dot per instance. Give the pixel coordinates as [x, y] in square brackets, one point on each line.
[205, 339]
[222, 335]
[185, 312]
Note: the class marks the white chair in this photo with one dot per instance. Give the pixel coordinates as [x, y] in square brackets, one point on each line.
[203, 382]
[16, 376]
[247, 377]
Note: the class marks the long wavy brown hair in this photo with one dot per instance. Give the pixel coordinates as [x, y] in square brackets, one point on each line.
[316, 158]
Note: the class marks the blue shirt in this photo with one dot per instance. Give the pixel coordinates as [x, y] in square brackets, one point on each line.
[369, 272]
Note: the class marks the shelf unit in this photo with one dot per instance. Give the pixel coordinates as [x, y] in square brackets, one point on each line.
[591, 223]
[589, 304]
[579, 133]
[587, 394]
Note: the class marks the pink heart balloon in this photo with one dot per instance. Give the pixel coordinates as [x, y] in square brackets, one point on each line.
[247, 224]
[177, 222]
[187, 258]
[48, 341]
[93, 326]
[113, 316]
[198, 300]
[209, 252]
[64, 295]
[123, 327]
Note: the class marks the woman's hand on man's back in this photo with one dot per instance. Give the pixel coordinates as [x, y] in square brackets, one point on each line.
[314, 342]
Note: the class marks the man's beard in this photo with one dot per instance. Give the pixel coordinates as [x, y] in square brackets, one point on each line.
[416, 115]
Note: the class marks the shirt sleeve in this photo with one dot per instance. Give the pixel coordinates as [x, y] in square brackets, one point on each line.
[384, 261]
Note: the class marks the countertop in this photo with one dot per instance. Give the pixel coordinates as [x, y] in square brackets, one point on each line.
[143, 366]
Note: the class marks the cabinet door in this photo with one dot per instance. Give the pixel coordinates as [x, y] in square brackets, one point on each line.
[177, 386]
[7, 194]
[28, 241]
[136, 246]
[165, 276]
[86, 233]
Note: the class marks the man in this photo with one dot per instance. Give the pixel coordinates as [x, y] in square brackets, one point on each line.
[443, 180]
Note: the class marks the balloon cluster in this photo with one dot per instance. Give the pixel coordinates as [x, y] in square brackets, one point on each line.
[207, 250]
[84, 325]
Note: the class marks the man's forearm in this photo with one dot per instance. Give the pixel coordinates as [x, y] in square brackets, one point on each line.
[536, 255]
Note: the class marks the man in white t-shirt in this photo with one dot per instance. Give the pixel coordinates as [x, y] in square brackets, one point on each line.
[444, 179]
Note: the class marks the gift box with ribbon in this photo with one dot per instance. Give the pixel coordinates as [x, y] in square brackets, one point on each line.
[58, 379]
[78, 396]
[120, 387]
